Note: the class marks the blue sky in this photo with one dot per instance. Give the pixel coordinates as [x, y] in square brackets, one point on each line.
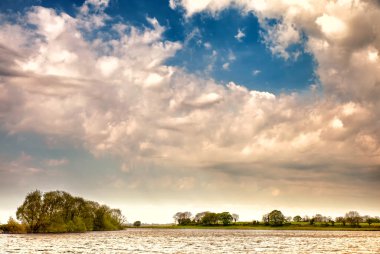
[170, 104]
[253, 65]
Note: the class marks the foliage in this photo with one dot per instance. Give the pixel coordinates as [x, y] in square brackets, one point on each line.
[276, 218]
[137, 223]
[183, 218]
[13, 227]
[210, 219]
[58, 212]
[341, 219]
[297, 218]
[226, 218]
[353, 218]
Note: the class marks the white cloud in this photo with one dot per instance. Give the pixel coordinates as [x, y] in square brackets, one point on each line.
[207, 45]
[231, 56]
[256, 72]
[173, 4]
[117, 96]
[240, 35]
[56, 162]
[226, 66]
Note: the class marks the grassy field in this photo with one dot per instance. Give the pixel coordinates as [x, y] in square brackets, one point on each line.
[293, 226]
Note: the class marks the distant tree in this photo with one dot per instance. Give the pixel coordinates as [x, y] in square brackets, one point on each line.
[198, 217]
[266, 219]
[137, 223]
[297, 218]
[182, 218]
[225, 217]
[276, 218]
[330, 220]
[341, 220]
[318, 218]
[210, 219]
[368, 219]
[235, 217]
[353, 218]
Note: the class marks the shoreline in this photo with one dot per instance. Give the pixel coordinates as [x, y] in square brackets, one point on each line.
[280, 228]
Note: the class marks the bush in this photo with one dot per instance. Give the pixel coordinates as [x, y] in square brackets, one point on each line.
[137, 223]
[13, 227]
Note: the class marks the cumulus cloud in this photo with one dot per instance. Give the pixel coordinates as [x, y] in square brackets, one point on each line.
[117, 96]
[256, 72]
[240, 35]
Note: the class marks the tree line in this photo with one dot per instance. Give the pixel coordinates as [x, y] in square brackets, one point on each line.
[205, 218]
[274, 218]
[59, 212]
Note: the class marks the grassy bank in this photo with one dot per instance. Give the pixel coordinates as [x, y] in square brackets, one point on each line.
[264, 227]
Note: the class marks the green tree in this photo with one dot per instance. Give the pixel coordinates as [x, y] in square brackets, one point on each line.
[276, 218]
[182, 218]
[353, 218]
[58, 211]
[30, 212]
[341, 220]
[137, 223]
[210, 219]
[199, 216]
[13, 227]
[297, 218]
[226, 218]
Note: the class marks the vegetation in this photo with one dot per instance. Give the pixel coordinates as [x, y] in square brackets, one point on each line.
[137, 223]
[205, 218]
[58, 212]
[276, 220]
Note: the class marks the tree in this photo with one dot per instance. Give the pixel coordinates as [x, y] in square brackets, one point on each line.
[331, 221]
[266, 219]
[30, 212]
[235, 217]
[318, 218]
[198, 217]
[368, 219]
[58, 211]
[210, 219]
[276, 218]
[137, 223]
[297, 218]
[226, 218]
[13, 227]
[182, 218]
[353, 218]
[341, 220]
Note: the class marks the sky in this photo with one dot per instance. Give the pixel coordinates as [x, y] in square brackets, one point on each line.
[162, 106]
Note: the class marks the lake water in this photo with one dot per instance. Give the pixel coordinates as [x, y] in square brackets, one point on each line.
[194, 241]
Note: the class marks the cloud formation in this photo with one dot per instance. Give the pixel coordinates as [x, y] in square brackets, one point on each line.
[113, 93]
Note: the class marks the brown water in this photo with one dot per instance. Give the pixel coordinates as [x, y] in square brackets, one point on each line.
[194, 241]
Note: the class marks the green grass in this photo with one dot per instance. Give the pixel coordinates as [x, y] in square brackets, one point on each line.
[293, 226]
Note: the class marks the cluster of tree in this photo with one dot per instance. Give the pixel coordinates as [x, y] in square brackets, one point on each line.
[205, 218]
[352, 218]
[58, 211]
[274, 218]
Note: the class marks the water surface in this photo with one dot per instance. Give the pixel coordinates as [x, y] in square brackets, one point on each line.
[195, 241]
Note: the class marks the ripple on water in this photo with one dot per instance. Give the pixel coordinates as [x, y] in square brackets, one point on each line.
[195, 241]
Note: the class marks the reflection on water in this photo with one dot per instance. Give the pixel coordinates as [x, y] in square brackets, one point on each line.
[194, 241]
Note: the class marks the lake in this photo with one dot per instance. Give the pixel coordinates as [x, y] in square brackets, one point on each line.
[195, 241]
